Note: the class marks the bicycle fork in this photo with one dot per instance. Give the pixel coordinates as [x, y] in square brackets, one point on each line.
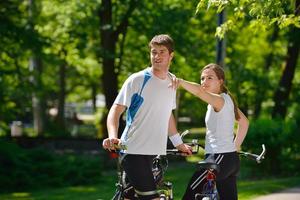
[209, 191]
[166, 193]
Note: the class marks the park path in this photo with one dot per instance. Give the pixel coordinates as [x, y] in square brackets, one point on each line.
[289, 194]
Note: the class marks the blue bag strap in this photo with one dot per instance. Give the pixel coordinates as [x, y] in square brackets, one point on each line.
[147, 76]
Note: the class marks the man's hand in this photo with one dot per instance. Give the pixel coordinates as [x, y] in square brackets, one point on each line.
[110, 143]
[185, 149]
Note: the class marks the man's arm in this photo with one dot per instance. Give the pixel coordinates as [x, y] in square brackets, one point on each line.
[175, 137]
[172, 126]
[113, 126]
[113, 118]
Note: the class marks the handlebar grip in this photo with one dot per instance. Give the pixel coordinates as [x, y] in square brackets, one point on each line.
[177, 152]
[120, 147]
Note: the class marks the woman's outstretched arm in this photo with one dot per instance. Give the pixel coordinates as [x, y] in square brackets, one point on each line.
[196, 89]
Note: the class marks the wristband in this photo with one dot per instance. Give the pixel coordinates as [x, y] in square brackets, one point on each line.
[176, 139]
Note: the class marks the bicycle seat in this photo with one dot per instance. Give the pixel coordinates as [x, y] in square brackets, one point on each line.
[208, 164]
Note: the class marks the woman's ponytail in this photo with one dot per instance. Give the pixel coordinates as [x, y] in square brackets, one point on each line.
[221, 75]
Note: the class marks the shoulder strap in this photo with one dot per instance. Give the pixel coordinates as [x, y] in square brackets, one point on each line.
[147, 76]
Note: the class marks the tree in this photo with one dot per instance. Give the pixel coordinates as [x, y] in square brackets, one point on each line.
[35, 62]
[17, 39]
[282, 93]
[110, 31]
[268, 63]
[264, 14]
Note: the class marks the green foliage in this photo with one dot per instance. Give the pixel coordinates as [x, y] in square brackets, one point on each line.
[178, 174]
[282, 142]
[259, 13]
[37, 168]
[195, 110]
[67, 34]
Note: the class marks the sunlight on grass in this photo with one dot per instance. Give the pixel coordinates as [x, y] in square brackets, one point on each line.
[82, 189]
[198, 130]
[195, 158]
[178, 173]
[251, 189]
[20, 194]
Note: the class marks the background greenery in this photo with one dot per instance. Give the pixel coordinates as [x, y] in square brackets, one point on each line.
[38, 168]
[62, 54]
[178, 173]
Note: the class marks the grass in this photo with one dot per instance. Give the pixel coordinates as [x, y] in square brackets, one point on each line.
[178, 173]
[250, 189]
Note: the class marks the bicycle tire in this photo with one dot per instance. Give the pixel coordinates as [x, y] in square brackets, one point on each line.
[118, 195]
[209, 192]
[162, 197]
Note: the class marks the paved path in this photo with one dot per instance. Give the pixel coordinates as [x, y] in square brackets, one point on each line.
[290, 194]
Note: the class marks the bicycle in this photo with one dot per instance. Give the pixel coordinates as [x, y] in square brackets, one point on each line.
[165, 188]
[160, 165]
[209, 190]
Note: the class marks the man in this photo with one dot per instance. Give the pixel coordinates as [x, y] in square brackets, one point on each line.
[149, 102]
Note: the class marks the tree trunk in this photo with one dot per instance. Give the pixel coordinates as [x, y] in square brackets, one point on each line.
[38, 105]
[108, 44]
[60, 118]
[109, 34]
[35, 66]
[221, 43]
[94, 97]
[268, 62]
[282, 93]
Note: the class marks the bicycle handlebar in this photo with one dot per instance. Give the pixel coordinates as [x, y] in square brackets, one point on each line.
[120, 146]
[256, 157]
[195, 148]
[194, 144]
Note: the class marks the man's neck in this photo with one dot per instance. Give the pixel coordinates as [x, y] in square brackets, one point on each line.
[160, 73]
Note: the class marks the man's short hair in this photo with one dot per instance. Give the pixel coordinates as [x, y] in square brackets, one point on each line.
[164, 40]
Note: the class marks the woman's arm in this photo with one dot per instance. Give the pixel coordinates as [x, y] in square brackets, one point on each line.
[196, 89]
[242, 130]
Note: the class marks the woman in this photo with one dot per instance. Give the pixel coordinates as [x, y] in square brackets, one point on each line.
[222, 112]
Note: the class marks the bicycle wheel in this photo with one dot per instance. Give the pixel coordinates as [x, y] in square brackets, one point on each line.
[205, 198]
[209, 192]
[118, 195]
[215, 194]
[162, 197]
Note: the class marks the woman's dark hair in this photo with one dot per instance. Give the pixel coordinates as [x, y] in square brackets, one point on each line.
[221, 76]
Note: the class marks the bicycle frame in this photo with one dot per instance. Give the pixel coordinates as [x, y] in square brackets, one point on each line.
[121, 185]
[209, 191]
[165, 188]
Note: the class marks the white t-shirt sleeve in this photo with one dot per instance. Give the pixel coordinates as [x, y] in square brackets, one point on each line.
[129, 87]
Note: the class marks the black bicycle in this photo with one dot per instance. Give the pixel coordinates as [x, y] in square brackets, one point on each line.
[164, 187]
[159, 167]
[209, 190]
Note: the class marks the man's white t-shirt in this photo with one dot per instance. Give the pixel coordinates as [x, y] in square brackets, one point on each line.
[146, 130]
[219, 128]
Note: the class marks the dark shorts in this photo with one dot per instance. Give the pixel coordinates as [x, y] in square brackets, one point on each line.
[226, 179]
[138, 169]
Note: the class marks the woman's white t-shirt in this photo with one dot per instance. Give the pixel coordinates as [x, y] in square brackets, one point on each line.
[220, 128]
